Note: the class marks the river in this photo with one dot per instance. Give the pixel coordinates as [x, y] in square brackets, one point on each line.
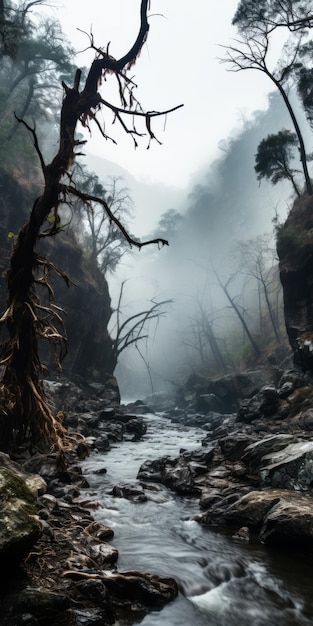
[223, 581]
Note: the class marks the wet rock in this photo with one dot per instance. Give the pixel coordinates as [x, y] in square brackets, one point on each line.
[104, 555]
[210, 402]
[234, 445]
[300, 399]
[231, 388]
[146, 589]
[115, 431]
[249, 510]
[90, 617]
[99, 531]
[210, 498]
[239, 470]
[179, 478]
[306, 420]
[280, 516]
[20, 526]
[46, 466]
[264, 404]
[202, 455]
[254, 452]
[289, 522]
[40, 605]
[136, 427]
[152, 470]
[95, 591]
[293, 378]
[243, 534]
[138, 407]
[290, 468]
[34, 482]
[286, 389]
[107, 413]
[102, 442]
[135, 493]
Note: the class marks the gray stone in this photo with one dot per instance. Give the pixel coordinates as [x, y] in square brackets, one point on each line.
[135, 493]
[264, 404]
[255, 452]
[289, 522]
[234, 445]
[306, 420]
[290, 468]
[19, 522]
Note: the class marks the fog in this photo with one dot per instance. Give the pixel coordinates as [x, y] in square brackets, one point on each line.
[224, 205]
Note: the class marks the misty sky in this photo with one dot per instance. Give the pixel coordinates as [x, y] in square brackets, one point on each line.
[179, 64]
[221, 202]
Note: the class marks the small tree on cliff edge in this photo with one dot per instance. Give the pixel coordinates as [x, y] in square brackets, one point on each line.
[256, 23]
[24, 408]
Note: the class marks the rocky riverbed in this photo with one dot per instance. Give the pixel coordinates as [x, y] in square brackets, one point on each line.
[252, 475]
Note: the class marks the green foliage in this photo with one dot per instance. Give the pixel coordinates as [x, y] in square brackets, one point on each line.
[305, 90]
[294, 244]
[272, 160]
[34, 58]
[271, 14]
[256, 22]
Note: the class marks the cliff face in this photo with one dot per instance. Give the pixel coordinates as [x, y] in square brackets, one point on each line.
[295, 252]
[86, 303]
[87, 307]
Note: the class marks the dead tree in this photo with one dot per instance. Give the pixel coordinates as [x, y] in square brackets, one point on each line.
[133, 329]
[237, 310]
[25, 411]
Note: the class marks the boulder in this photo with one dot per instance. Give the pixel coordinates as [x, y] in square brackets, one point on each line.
[289, 522]
[209, 402]
[152, 470]
[234, 445]
[34, 482]
[306, 420]
[290, 468]
[137, 427]
[228, 390]
[179, 478]
[253, 454]
[135, 493]
[280, 516]
[250, 510]
[20, 527]
[149, 590]
[264, 404]
[36, 606]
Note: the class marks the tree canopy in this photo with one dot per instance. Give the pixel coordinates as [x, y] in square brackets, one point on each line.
[256, 23]
[271, 14]
[273, 158]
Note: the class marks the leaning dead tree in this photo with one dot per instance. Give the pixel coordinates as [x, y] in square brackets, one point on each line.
[24, 410]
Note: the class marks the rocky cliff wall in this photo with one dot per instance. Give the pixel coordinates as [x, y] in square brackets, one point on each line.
[295, 252]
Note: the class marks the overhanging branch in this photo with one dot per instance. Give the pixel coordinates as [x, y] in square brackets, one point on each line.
[87, 198]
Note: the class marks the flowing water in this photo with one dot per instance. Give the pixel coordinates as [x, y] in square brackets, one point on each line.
[222, 581]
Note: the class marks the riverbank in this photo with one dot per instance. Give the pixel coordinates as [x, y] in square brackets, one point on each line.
[70, 574]
[253, 474]
[61, 567]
